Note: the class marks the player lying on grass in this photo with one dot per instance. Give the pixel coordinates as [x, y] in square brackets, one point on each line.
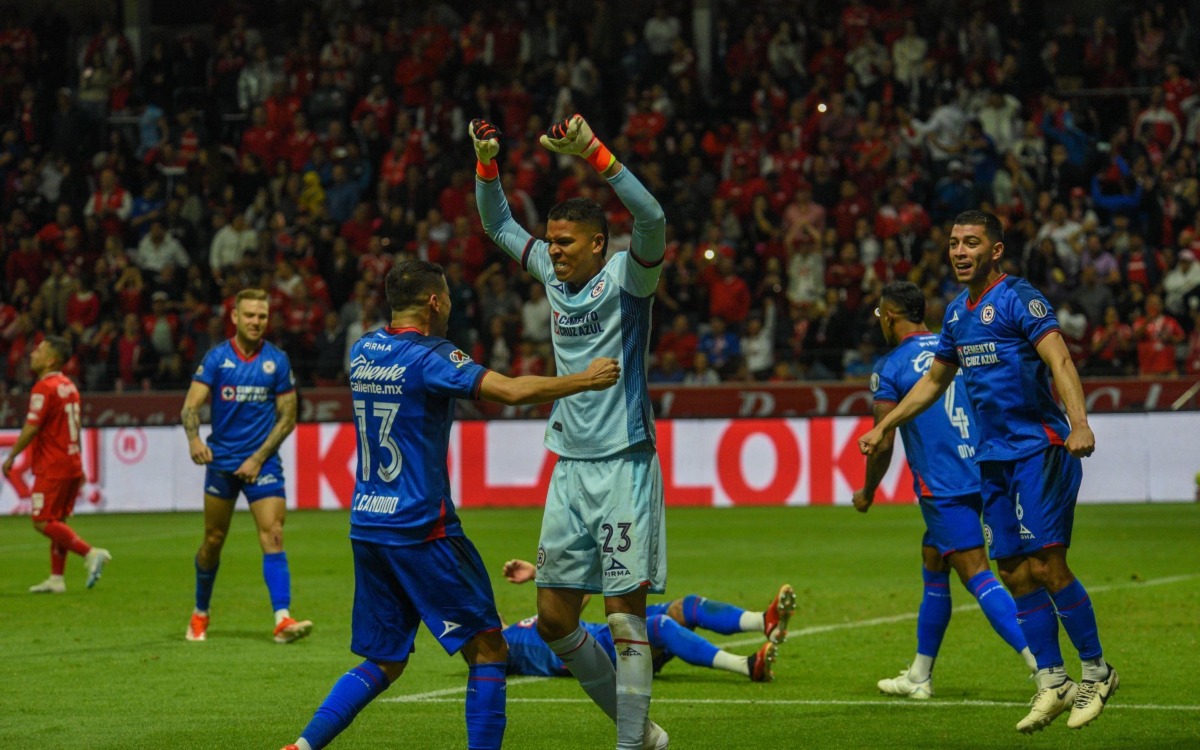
[671, 627]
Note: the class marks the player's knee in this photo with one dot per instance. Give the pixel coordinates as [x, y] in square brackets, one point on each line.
[392, 669]
[552, 630]
[214, 539]
[487, 648]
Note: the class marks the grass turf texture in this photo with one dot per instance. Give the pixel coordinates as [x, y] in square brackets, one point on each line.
[109, 668]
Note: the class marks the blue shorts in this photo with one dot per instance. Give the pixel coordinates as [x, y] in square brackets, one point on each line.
[223, 484]
[1029, 503]
[952, 523]
[441, 582]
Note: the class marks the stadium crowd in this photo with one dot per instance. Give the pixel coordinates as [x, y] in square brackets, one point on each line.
[819, 155]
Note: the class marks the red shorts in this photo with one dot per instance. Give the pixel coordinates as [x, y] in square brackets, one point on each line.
[54, 499]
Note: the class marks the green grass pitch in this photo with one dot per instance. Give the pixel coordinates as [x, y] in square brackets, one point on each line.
[109, 668]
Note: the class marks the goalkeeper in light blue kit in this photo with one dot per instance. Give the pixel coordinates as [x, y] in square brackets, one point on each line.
[603, 529]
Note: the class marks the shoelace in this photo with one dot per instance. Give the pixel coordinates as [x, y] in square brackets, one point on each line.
[1087, 690]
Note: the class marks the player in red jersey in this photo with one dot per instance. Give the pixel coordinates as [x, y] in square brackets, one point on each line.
[52, 426]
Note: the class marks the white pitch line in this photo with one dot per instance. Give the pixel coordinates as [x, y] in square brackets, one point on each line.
[882, 702]
[813, 630]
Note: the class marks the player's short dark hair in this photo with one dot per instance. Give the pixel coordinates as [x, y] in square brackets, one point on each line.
[409, 284]
[908, 297]
[61, 347]
[583, 211]
[989, 221]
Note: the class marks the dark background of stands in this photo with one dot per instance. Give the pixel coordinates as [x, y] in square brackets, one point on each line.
[158, 156]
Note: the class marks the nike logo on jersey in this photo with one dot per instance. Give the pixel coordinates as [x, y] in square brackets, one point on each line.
[228, 364]
[450, 627]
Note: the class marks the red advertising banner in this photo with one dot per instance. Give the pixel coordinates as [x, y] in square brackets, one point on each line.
[744, 400]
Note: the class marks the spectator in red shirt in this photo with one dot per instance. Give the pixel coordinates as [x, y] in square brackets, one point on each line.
[728, 294]
[134, 358]
[53, 427]
[1156, 334]
[680, 340]
[1110, 346]
[846, 213]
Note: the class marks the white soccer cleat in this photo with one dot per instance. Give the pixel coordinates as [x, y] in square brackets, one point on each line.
[1047, 704]
[1091, 698]
[49, 586]
[907, 688]
[95, 560]
[655, 737]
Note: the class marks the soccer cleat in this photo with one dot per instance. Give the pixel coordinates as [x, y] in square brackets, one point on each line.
[95, 560]
[1091, 698]
[906, 687]
[289, 747]
[778, 613]
[49, 586]
[1047, 704]
[654, 738]
[198, 627]
[760, 663]
[289, 630]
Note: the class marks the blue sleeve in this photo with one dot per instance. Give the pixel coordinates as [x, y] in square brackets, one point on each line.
[285, 379]
[450, 372]
[1030, 313]
[206, 373]
[883, 383]
[649, 241]
[503, 229]
[946, 351]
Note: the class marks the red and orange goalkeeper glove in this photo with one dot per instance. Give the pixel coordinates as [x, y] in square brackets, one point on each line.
[486, 138]
[574, 136]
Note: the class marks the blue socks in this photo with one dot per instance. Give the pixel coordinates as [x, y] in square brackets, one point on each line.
[998, 605]
[667, 634]
[1078, 619]
[934, 615]
[349, 695]
[204, 585]
[486, 694]
[1039, 623]
[278, 578]
[718, 617]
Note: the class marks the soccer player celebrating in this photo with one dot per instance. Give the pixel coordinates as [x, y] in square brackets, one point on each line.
[253, 411]
[671, 627]
[52, 427]
[939, 447]
[603, 529]
[1002, 333]
[412, 561]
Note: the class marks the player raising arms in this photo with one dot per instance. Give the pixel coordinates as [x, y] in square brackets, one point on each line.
[1004, 336]
[940, 447]
[412, 561]
[52, 426]
[253, 411]
[603, 529]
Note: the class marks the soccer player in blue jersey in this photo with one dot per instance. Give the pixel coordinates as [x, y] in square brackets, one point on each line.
[1003, 334]
[940, 446]
[412, 561]
[671, 627]
[253, 411]
[603, 529]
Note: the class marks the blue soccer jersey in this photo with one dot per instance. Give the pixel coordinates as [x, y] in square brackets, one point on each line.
[608, 317]
[940, 443]
[404, 384]
[994, 341]
[244, 389]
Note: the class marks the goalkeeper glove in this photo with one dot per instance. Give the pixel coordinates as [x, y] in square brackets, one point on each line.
[574, 136]
[486, 138]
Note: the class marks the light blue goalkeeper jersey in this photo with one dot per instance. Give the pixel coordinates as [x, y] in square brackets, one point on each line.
[608, 317]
